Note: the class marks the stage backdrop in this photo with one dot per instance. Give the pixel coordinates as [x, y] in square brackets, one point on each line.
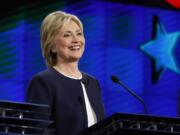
[139, 44]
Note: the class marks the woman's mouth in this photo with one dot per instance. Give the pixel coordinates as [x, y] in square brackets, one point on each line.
[74, 47]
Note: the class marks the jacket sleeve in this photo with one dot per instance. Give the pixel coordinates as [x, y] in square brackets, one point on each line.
[39, 92]
[101, 100]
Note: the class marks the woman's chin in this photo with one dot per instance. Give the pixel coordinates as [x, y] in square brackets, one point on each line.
[74, 59]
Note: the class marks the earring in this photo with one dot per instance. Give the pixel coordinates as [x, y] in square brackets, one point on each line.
[53, 51]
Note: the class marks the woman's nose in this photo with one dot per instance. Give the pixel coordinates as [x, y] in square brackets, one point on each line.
[75, 39]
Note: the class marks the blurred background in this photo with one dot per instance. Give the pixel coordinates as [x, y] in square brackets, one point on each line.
[137, 41]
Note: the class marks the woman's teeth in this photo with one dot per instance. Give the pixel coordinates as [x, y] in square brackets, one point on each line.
[74, 47]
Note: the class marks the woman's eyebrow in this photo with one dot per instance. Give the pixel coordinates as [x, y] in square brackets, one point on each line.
[79, 30]
[68, 31]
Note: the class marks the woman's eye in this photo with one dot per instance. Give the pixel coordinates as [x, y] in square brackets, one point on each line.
[66, 35]
[79, 34]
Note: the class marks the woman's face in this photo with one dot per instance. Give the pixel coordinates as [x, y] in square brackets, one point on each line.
[69, 43]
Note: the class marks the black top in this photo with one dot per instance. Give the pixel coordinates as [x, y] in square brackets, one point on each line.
[65, 97]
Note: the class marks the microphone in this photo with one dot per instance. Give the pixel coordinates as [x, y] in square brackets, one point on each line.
[116, 80]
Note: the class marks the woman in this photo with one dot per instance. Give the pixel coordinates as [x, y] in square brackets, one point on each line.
[73, 96]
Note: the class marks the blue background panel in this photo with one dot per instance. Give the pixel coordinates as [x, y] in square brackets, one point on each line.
[115, 33]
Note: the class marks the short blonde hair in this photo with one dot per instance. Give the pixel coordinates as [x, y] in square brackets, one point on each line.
[49, 28]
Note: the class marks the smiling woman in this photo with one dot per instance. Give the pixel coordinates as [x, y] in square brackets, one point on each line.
[69, 43]
[73, 96]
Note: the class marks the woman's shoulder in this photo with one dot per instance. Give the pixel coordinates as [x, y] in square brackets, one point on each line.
[88, 76]
[44, 73]
[47, 74]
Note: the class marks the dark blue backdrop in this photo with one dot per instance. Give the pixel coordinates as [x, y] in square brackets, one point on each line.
[139, 44]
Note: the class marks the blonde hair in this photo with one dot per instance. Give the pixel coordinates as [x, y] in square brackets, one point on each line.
[49, 28]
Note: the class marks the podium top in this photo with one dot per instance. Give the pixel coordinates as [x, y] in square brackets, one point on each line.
[10, 125]
[25, 107]
[135, 124]
[24, 118]
[147, 118]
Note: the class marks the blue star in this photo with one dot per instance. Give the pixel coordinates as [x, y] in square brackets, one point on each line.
[161, 49]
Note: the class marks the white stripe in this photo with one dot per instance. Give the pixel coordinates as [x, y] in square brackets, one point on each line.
[91, 116]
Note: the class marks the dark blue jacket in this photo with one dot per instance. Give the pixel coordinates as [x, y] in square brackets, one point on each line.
[65, 98]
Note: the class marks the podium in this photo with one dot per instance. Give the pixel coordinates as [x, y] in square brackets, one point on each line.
[24, 119]
[133, 124]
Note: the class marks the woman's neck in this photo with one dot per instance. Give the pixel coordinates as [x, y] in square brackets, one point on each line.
[68, 69]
